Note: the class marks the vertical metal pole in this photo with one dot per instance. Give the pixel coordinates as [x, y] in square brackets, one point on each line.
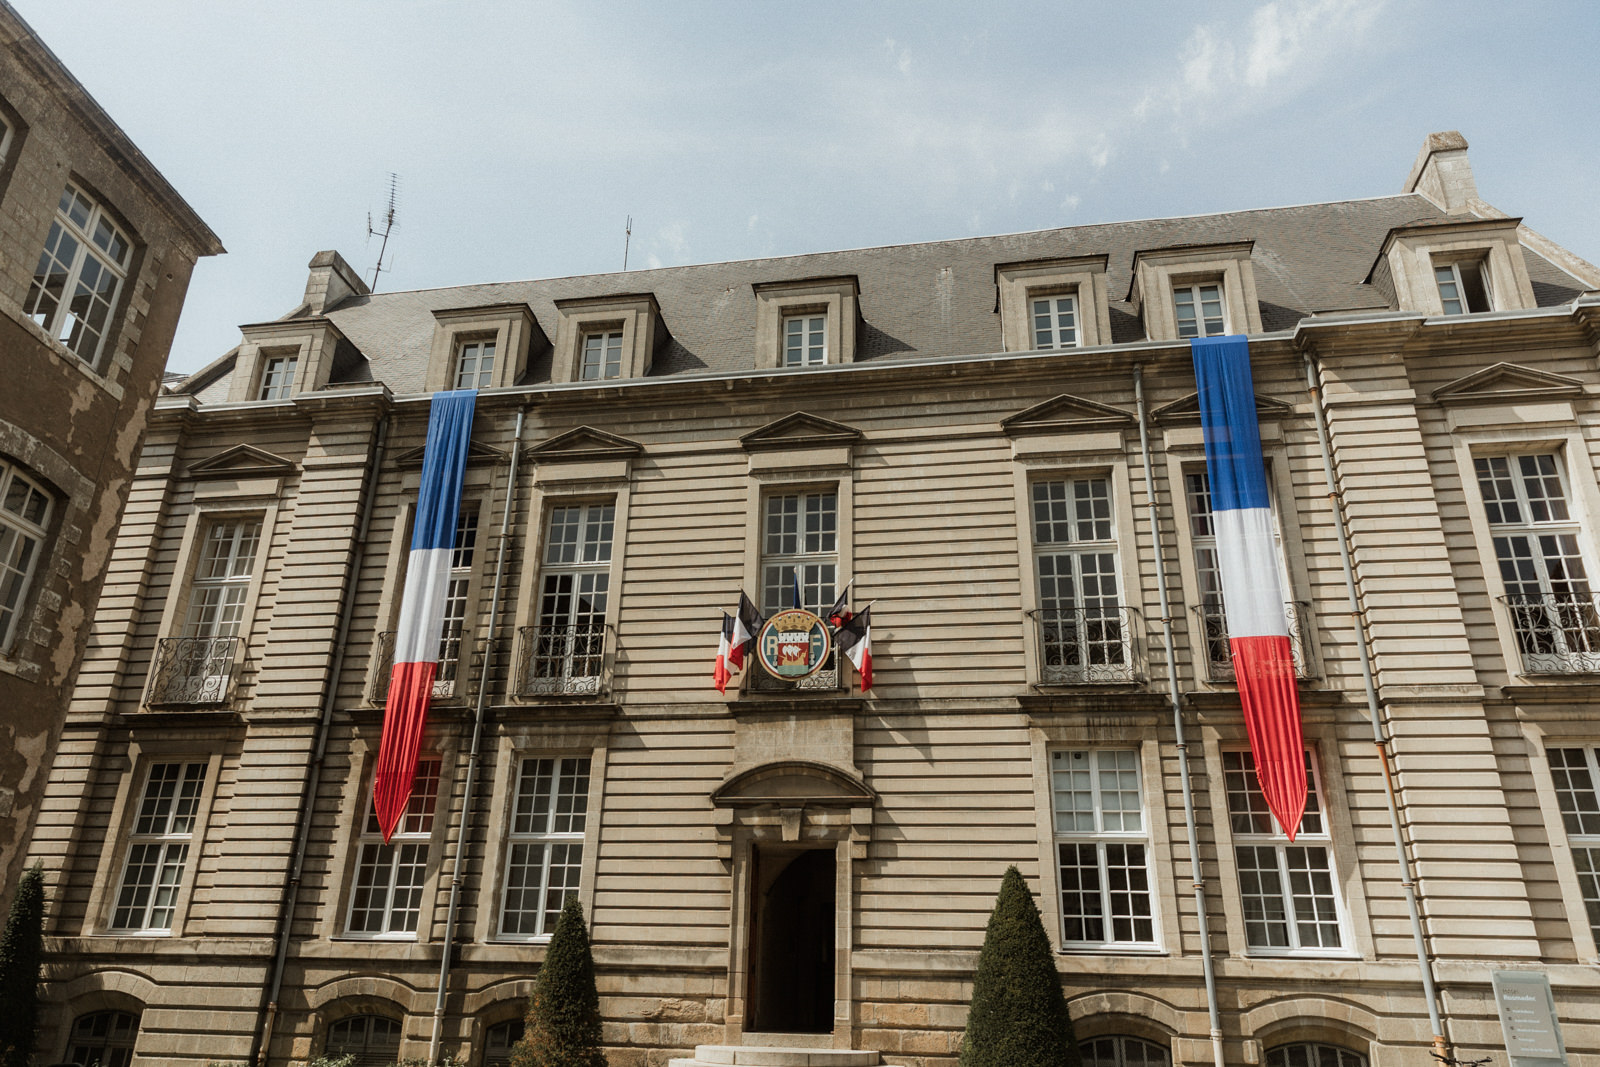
[1440, 1048]
[1177, 725]
[477, 743]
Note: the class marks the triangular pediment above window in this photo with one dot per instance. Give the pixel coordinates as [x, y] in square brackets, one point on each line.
[1187, 409]
[584, 443]
[241, 460]
[793, 783]
[1065, 413]
[476, 454]
[1508, 382]
[800, 430]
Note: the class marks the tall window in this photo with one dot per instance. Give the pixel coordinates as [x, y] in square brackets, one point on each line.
[475, 365]
[801, 542]
[545, 853]
[455, 602]
[6, 136]
[103, 1038]
[1537, 543]
[1199, 309]
[498, 1041]
[277, 377]
[1463, 286]
[1122, 1052]
[805, 340]
[1576, 773]
[570, 639]
[79, 275]
[1055, 322]
[1307, 1054]
[1290, 903]
[24, 514]
[602, 356]
[373, 1040]
[222, 578]
[1103, 847]
[158, 847]
[1083, 633]
[387, 898]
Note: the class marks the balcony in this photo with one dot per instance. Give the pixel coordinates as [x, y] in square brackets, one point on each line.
[827, 678]
[1089, 646]
[1557, 633]
[563, 660]
[1217, 658]
[193, 671]
[449, 684]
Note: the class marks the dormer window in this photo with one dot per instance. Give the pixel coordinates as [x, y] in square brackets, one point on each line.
[1198, 306]
[606, 338]
[1055, 322]
[807, 322]
[474, 365]
[1463, 286]
[602, 355]
[805, 340]
[1051, 304]
[277, 377]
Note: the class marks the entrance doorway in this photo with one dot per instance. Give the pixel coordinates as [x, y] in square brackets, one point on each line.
[792, 920]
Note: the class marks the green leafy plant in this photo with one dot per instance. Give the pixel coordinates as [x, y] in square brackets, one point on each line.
[564, 1011]
[1019, 1013]
[21, 949]
[347, 1060]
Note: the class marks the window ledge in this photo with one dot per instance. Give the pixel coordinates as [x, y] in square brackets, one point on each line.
[1112, 950]
[1300, 954]
[65, 355]
[402, 939]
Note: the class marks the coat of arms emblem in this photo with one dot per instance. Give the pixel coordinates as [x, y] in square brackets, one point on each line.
[794, 644]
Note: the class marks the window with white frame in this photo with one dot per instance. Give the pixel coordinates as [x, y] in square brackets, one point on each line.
[800, 547]
[1055, 321]
[7, 134]
[387, 897]
[24, 516]
[569, 642]
[1463, 286]
[805, 341]
[1198, 306]
[277, 377]
[1538, 545]
[370, 1040]
[1576, 773]
[602, 356]
[79, 275]
[222, 577]
[1103, 848]
[103, 1039]
[1083, 632]
[1119, 1051]
[158, 847]
[474, 365]
[1313, 1054]
[456, 604]
[1288, 891]
[544, 854]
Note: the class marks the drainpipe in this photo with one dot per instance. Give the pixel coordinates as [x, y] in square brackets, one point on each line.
[308, 795]
[1381, 743]
[1177, 725]
[476, 752]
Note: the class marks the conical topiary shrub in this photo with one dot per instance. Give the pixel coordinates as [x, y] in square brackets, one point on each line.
[564, 1011]
[21, 947]
[1019, 1014]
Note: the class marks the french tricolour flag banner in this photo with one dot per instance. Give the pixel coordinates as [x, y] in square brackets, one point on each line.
[416, 640]
[1258, 630]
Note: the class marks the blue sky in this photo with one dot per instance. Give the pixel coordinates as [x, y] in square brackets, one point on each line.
[524, 134]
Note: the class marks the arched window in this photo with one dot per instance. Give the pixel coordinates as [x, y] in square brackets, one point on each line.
[24, 515]
[497, 1042]
[1313, 1054]
[1121, 1051]
[104, 1038]
[374, 1040]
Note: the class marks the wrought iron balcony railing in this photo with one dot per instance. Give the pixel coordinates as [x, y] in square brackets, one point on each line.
[193, 671]
[449, 684]
[1217, 657]
[564, 660]
[826, 679]
[1090, 645]
[1557, 633]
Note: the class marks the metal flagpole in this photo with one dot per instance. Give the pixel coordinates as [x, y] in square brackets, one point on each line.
[1177, 725]
[477, 743]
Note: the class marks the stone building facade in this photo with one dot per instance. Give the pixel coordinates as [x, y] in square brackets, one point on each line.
[959, 429]
[96, 249]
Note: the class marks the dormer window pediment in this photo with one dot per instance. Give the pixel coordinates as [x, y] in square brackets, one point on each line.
[283, 359]
[1454, 267]
[483, 347]
[1053, 303]
[604, 338]
[1190, 291]
[807, 322]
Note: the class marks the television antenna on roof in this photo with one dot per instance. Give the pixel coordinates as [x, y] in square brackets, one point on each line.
[388, 225]
[627, 239]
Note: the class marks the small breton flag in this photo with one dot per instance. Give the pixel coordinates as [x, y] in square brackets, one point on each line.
[855, 641]
[720, 672]
[1258, 629]
[746, 625]
[416, 640]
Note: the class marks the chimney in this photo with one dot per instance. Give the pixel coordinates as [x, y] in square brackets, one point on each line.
[331, 281]
[1443, 174]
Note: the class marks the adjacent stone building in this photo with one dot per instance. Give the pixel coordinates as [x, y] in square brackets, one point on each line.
[959, 429]
[95, 255]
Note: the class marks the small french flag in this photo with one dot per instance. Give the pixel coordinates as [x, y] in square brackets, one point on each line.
[416, 641]
[1258, 628]
[855, 641]
[720, 672]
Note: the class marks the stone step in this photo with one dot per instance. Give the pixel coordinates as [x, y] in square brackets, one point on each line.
[777, 1056]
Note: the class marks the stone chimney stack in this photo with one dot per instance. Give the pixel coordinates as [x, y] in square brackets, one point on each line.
[1443, 174]
[331, 281]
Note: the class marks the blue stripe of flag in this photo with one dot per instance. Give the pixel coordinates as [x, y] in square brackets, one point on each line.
[444, 465]
[1228, 420]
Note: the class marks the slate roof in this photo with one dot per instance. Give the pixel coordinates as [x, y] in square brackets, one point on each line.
[932, 299]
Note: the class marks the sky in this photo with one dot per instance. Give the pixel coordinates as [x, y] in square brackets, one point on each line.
[525, 134]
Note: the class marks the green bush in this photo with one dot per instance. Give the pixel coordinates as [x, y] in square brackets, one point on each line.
[1019, 1014]
[21, 947]
[564, 1011]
